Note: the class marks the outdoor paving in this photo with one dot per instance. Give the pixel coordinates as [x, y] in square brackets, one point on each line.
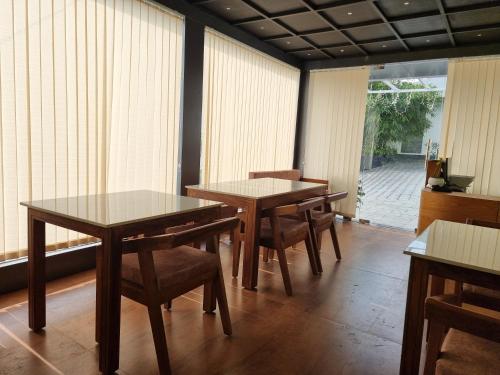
[392, 194]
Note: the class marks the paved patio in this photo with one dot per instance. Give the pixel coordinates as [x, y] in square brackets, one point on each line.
[392, 194]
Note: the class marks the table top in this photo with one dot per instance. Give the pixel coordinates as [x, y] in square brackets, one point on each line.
[114, 209]
[458, 244]
[257, 188]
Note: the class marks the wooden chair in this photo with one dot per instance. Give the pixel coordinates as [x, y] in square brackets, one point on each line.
[460, 341]
[325, 220]
[286, 174]
[477, 295]
[157, 269]
[279, 231]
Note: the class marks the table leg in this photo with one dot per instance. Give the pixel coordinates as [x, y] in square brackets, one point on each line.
[98, 292]
[414, 317]
[109, 344]
[36, 273]
[251, 254]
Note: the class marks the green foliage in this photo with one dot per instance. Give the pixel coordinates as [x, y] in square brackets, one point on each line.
[392, 117]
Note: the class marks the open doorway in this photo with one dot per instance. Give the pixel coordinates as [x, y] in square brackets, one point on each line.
[402, 127]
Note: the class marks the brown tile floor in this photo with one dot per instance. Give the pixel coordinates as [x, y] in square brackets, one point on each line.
[347, 321]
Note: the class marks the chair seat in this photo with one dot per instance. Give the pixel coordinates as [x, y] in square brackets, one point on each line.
[463, 353]
[321, 219]
[290, 230]
[173, 267]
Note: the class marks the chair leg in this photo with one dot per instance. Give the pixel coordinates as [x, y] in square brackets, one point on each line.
[319, 238]
[284, 271]
[335, 241]
[271, 254]
[220, 292]
[437, 332]
[313, 255]
[160, 340]
[168, 305]
[265, 254]
[209, 302]
[236, 249]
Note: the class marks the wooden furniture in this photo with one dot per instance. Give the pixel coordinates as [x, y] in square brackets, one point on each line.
[456, 207]
[460, 341]
[279, 231]
[324, 219]
[456, 251]
[286, 174]
[254, 196]
[157, 269]
[476, 295]
[110, 217]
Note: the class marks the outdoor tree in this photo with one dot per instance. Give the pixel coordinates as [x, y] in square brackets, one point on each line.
[394, 117]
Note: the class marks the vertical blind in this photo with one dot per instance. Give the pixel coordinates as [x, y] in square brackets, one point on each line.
[89, 103]
[471, 122]
[335, 117]
[249, 111]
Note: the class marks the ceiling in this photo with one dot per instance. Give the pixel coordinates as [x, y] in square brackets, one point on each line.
[315, 30]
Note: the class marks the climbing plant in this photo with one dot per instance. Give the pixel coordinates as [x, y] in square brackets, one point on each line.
[393, 117]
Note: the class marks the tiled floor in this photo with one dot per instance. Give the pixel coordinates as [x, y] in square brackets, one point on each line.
[349, 320]
[393, 194]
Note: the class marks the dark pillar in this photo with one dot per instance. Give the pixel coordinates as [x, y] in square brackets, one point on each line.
[301, 113]
[191, 104]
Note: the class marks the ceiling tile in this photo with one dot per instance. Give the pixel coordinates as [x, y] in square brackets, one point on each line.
[304, 22]
[329, 38]
[420, 25]
[398, 8]
[423, 42]
[278, 6]
[352, 14]
[232, 10]
[475, 18]
[478, 37]
[264, 29]
[370, 32]
[347, 51]
[290, 43]
[461, 3]
[383, 47]
[310, 55]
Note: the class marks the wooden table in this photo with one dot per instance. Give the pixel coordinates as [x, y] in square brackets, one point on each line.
[254, 196]
[456, 251]
[110, 217]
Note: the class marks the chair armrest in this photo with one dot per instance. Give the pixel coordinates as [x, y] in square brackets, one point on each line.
[314, 180]
[169, 241]
[335, 196]
[443, 310]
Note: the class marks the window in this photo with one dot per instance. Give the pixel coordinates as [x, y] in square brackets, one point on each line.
[89, 103]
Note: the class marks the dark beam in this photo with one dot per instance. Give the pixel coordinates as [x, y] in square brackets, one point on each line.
[191, 105]
[446, 22]
[301, 111]
[207, 19]
[430, 54]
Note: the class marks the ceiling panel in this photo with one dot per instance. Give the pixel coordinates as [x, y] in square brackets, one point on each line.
[420, 25]
[300, 27]
[352, 14]
[398, 8]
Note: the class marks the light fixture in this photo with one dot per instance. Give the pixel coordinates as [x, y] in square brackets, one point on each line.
[262, 27]
[383, 46]
[341, 51]
[406, 3]
[349, 13]
[228, 8]
[427, 40]
[288, 42]
[479, 35]
[308, 54]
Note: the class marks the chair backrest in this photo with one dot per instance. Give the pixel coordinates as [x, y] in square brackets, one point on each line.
[288, 174]
[295, 208]
[171, 240]
[483, 223]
